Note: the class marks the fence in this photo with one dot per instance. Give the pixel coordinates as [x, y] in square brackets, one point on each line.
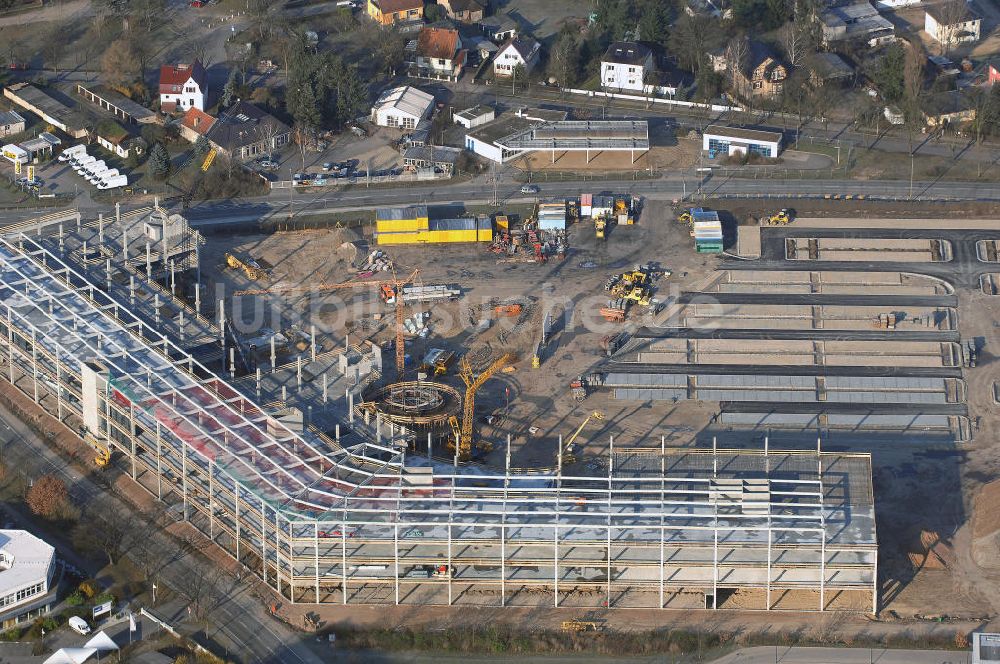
[654, 100]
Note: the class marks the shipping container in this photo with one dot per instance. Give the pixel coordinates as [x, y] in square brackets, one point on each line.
[400, 225]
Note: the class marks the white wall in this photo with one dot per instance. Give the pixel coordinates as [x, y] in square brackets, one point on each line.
[393, 117]
[484, 149]
[618, 76]
[186, 99]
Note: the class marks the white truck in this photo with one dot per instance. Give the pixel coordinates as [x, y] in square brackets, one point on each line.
[98, 178]
[72, 151]
[112, 183]
[80, 164]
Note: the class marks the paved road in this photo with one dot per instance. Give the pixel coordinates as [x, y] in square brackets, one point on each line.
[784, 655]
[238, 622]
[832, 407]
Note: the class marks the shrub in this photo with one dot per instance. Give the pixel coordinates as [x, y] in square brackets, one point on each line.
[46, 496]
[12, 634]
[75, 598]
[104, 597]
[89, 588]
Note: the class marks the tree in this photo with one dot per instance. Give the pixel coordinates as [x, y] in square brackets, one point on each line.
[47, 496]
[913, 73]
[159, 161]
[760, 15]
[264, 97]
[352, 95]
[113, 532]
[890, 72]
[519, 78]
[949, 14]
[795, 43]
[653, 20]
[688, 40]
[564, 63]
[120, 63]
[201, 147]
[229, 89]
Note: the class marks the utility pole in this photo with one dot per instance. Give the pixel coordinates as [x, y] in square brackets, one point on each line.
[911, 176]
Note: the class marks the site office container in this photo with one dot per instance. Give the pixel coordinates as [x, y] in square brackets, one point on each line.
[401, 225]
[434, 237]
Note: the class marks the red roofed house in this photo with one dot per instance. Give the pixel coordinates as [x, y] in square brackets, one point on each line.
[183, 86]
[195, 124]
[439, 54]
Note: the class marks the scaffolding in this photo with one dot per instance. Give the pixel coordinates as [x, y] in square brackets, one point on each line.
[322, 521]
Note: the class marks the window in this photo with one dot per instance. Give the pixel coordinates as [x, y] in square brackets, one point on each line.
[441, 62]
[757, 85]
[631, 70]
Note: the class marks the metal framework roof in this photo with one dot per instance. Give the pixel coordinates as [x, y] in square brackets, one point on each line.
[581, 135]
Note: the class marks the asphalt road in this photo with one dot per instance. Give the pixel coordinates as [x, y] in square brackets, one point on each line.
[786, 655]
[830, 407]
[782, 334]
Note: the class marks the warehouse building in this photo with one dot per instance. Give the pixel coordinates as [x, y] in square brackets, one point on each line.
[725, 141]
[325, 519]
[54, 111]
[402, 107]
[411, 225]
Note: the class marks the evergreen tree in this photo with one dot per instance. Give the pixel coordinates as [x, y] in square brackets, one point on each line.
[159, 161]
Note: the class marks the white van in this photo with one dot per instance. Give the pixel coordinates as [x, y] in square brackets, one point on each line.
[72, 151]
[98, 178]
[116, 181]
[94, 167]
[83, 162]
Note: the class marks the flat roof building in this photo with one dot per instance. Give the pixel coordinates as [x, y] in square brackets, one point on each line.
[54, 111]
[27, 568]
[403, 107]
[718, 140]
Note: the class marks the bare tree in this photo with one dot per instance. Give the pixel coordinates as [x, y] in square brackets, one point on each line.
[949, 16]
[111, 531]
[913, 73]
[795, 43]
[201, 586]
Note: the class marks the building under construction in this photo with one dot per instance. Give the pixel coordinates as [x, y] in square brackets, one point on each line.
[353, 517]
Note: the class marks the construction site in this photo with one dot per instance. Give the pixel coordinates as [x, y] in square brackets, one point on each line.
[591, 407]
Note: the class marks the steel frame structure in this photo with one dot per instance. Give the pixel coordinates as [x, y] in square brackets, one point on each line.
[668, 528]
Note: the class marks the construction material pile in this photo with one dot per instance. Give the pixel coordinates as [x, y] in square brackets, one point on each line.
[377, 261]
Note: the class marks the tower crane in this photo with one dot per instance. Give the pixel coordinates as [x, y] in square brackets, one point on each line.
[568, 457]
[473, 382]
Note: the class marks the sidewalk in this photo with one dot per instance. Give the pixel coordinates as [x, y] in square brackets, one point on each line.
[795, 655]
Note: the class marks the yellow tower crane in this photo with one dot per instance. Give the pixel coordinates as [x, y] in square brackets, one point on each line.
[473, 382]
[568, 457]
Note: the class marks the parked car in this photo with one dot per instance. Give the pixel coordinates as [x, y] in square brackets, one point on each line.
[529, 189]
[78, 625]
[267, 163]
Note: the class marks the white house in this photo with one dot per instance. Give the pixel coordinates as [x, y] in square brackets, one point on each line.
[625, 65]
[402, 107]
[952, 23]
[27, 565]
[183, 86]
[517, 51]
[724, 141]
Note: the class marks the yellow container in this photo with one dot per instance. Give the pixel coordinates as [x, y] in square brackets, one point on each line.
[502, 223]
[397, 238]
[400, 225]
[486, 235]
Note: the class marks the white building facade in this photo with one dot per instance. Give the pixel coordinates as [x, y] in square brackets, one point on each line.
[952, 27]
[402, 107]
[27, 568]
[517, 51]
[624, 67]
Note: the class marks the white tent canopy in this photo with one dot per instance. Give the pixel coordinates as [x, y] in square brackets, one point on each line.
[101, 641]
[71, 656]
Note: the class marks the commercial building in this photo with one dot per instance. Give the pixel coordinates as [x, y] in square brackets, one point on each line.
[411, 225]
[54, 111]
[952, 23]
[358, 519]
[11, 122]
[513, 136]
[403, 107]
[27, 571]
[724, 141]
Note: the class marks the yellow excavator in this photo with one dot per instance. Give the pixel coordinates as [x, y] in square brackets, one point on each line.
[568, 458]
[103, 457]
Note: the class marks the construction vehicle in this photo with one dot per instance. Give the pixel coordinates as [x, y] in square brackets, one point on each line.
[579, 388]
[103, 457]
[599, 227]
[473, 381]
[253, 269]
[209, 158]
[508, 310]
[568, 456]
[640, 295]
[577, 625]
[437, 361]
[780, 218]
[685, 217]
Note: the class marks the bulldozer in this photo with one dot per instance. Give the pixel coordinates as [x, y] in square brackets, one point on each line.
[780, 218]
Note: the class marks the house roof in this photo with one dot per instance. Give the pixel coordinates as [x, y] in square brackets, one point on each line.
[829, 66]
[243, 124]
[393, 6]
[946, 103]
[952, 12]
[524, 46]
[498, 23]
[407, 99]
[438, 43]
[197, 121]
[465, 5]
[626, 53]
[744, 134]
[173, 77]
[10, 117]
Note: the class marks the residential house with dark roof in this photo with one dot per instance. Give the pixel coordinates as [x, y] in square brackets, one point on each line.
[465, 11]
[828, 69]
[952, 23]
[523, 51]
[183, 86]
[439, 55]
[499, 28]
[625, 66]
[759, 74]
[392, 12]
[245, 131]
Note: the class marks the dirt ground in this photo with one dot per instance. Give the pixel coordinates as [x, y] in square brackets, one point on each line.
[920, 485]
